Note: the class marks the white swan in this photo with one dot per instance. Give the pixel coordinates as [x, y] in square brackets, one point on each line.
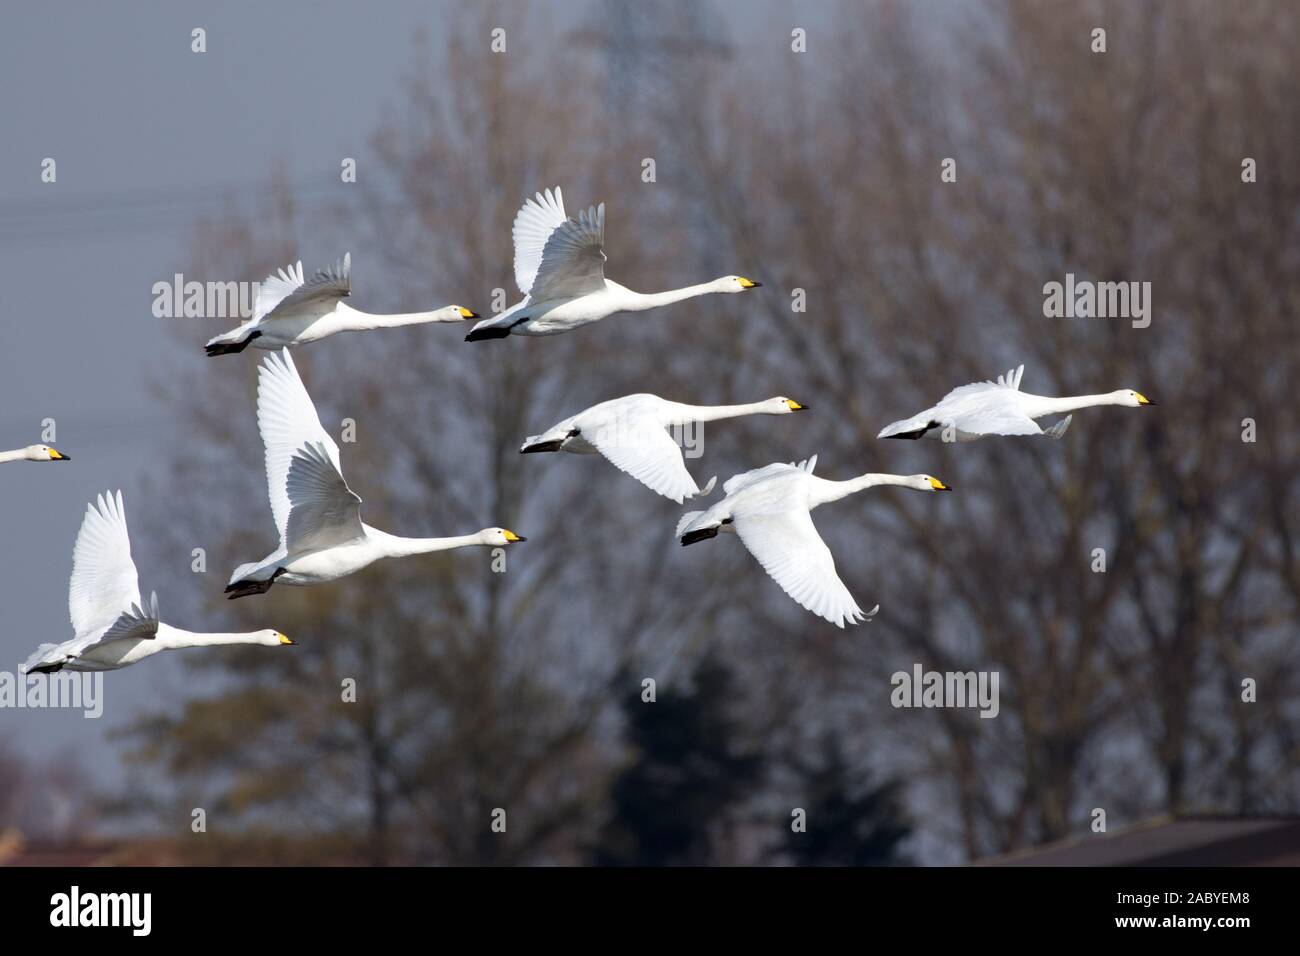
[630, 432]
[322, 536]
[560, 269]
[1000, 408]
[293, 311]
[34, 453]
[114, 627]
[769, 508]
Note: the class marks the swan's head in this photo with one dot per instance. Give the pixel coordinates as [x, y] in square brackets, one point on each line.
[928, 483]
[1126, 396]
[736, 284]
[270, 638]
[783, 406]
[458, 313]
[499, 537]
[44, 453]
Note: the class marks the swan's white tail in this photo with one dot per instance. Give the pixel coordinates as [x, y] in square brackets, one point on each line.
[548, 440]
[244, 570]
[686, 521]
[915, 423]
[38, 657]
[233, 337]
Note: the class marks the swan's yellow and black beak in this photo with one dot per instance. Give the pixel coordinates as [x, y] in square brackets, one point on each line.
[466, 313]
[285, 640]
[938, 485]
[58, 456]
[1143, 400]
[747, 283]
[512, 537]
[795, 406]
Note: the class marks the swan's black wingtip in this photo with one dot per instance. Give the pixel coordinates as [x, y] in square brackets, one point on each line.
[245, 588]
[226, 348]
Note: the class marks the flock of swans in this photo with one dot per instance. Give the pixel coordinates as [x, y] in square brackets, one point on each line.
[559, 267]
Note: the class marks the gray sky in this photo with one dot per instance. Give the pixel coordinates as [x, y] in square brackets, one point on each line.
[147, 136]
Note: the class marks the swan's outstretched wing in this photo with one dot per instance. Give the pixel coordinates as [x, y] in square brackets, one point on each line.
[104, 583]
[747, 478]
[643, 448]
[1007, 380]
[990, 413]
[275, 288]
[534, 223]
[557, 257]
[287, 420]
[139, 622]
[134, 624]
[290, 295]
[791, 551]
[986, 408]
[323, 510]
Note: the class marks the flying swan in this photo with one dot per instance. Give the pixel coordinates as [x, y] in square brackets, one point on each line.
[1000, 408]
[630, 432]
[322, 536]
[292, 311]
[114, 627]
[560, 269]
[34, 453]
[770, 509]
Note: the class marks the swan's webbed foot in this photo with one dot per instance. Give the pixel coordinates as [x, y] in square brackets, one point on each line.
[915, 433]
[493, 331]
[229, 348]
[245, 588]
[700, 534]
[553, 445]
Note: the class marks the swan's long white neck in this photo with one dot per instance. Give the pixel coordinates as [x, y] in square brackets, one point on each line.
[824, 490]
[169, 637]
[681, 414]
[641, 301]
[1039, 405]
[19, 454]
[356, 320]
[395, 546]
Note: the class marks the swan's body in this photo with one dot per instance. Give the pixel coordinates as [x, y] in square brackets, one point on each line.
[291, 310]
[631, 433]
[770, 509]
[322, 536]
[33, 453]
[114, 627]
[1000, 408]
[560, 269]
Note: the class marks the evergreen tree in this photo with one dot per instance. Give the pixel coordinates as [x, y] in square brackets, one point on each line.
[849, 823]
[687, 773]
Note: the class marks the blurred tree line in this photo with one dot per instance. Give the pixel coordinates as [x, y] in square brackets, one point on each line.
[817, 172]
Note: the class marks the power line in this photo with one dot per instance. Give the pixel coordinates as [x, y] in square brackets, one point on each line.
[146, 209]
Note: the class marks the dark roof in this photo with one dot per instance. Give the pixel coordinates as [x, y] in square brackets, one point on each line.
[1185, 841]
